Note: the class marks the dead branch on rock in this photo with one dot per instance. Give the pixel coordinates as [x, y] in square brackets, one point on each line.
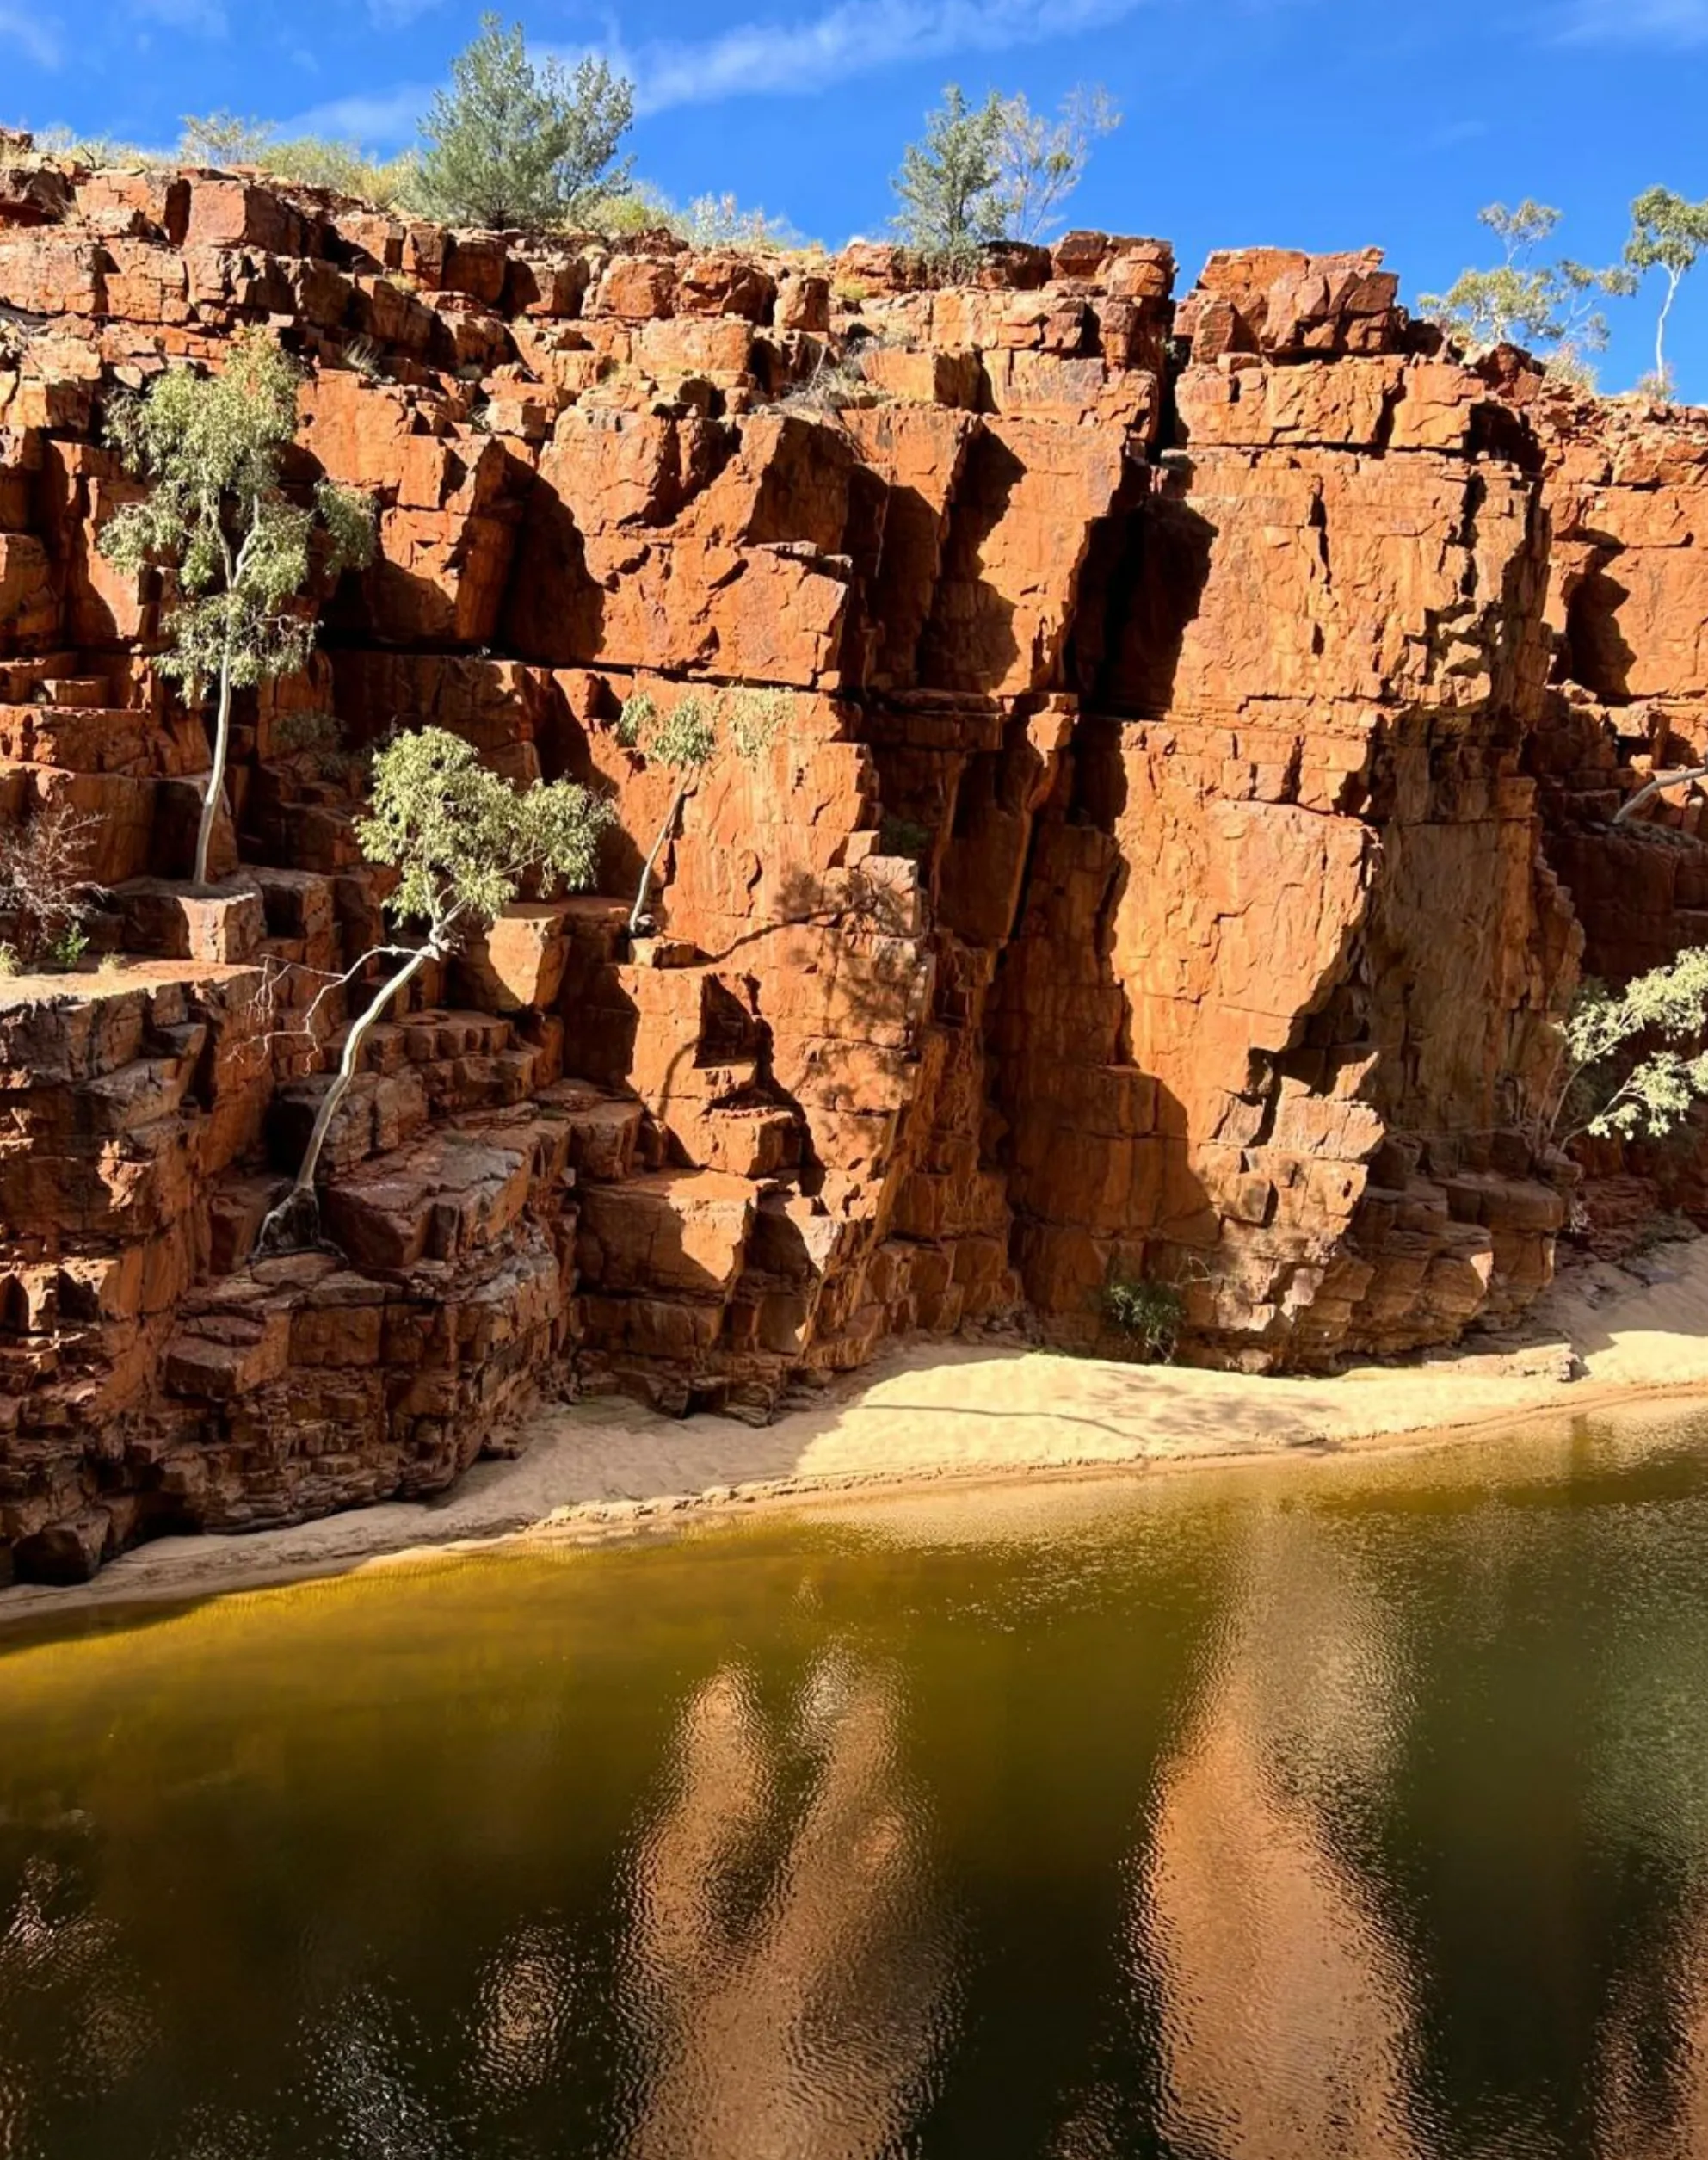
[1661, 782]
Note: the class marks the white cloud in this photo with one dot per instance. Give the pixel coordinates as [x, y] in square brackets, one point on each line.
[380, 121]
[1637, 21]
[36, 36]
[752, 59]
[857, 37]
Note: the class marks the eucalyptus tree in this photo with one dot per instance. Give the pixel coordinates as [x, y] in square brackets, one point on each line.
[463, 841]
[1522, 300]
[1667, 233]
[995, 171]
[1631, 1063]
[1041, 159]
[686, 740]
[241, 552]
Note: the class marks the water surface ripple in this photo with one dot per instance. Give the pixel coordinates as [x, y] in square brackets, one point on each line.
[1317, 1811]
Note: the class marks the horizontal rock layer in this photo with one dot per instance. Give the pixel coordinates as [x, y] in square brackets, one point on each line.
[1195, 731]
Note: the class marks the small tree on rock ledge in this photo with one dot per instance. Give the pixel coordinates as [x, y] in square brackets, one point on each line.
[685, 741]
[209, 445]
[463, 841]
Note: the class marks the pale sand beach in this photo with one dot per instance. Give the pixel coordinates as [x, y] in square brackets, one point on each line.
[975, 1411]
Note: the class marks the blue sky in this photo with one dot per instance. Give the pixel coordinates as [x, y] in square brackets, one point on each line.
[1312, 123]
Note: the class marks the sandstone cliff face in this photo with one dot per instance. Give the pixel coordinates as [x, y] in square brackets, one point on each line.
[1148, 872]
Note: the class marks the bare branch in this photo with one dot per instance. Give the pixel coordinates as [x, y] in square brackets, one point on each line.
[1657, 785]
[330, 985]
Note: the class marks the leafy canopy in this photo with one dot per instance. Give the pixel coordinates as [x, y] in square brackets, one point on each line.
[209, 445]
[1635, 1061]
[464, 840]
[687, 737]
[514, 144]
[1667, 232]
[951, 203]
[1522, 301]
[1040, 161]
[995, 171]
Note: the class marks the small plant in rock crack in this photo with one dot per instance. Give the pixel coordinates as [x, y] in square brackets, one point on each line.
[293, 733]
[463, 841]
[685, 741]
[366, 355]
[902, 837]
[67, 950]
[1150, 1314]
[832, 386]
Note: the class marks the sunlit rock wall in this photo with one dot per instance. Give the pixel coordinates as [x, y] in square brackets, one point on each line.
[1144, 872]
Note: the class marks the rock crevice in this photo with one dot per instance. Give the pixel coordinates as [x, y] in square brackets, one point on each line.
[1198, 728]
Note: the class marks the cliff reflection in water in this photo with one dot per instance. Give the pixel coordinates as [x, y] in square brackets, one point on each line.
[1353, 1813]
[787, 1966]
[1282, 2005]
[1287, 2005]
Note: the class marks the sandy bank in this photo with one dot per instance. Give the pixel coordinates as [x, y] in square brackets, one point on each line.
[976, 1411]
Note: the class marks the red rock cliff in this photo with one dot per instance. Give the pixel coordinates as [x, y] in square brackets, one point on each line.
[1150, 871]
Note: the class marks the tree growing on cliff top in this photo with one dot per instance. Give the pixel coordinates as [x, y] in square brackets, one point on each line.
[1631, 1062]
[685, 741]
[995, 171]
[1666, 234]
[947, 184]
[514, 144]
[241, 553]
[1040, 161]
[1522, 301]
[463, 841]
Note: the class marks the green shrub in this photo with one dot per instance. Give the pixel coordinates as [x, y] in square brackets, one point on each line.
[312, 161]
[902, 837]
[344, 169]
[514, 144]
[1149, 1313]
[1631, 1062]
[44, 884]
[306, 730]
[68, 947]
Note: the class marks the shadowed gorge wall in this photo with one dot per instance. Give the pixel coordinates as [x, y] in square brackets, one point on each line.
[1196, 731]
